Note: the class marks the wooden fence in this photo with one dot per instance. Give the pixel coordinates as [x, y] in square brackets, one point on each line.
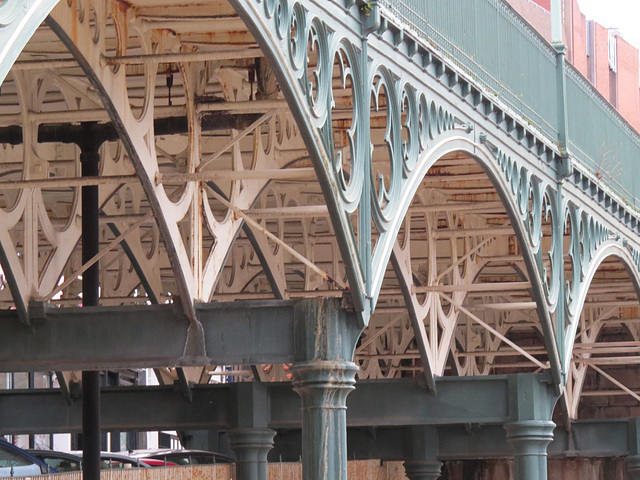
[358, 470]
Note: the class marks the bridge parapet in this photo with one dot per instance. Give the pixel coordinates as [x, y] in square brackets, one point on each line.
[469, 32]
[495, 46]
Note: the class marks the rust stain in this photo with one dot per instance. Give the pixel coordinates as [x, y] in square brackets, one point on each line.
[237, 36]
[74, 21]
[228, 38]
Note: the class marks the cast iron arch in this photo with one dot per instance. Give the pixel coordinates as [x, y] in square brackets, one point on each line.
[487, 162]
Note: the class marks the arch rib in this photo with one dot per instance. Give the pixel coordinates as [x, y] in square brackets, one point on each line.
[19, 19]
[111, 90]
[277, 56]
[610, 248]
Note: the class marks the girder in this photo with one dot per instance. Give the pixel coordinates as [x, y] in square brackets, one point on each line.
[148, 336]
[401, 402]
[468, 425]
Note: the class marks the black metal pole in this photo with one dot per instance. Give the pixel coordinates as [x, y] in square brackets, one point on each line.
[91, 441]
[31, 385]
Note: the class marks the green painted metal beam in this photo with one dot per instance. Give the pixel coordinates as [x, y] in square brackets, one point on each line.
[234, 333]
[587, 438]
[460, 400]
[147, 336]
[468, 415]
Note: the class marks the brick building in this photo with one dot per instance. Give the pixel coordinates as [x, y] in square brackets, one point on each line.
[599, 53]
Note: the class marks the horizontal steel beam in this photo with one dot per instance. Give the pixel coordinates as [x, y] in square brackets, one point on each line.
[146, 336]
[586, 438]
[406, 402]
[300, 174]
[70, 132]
[182, 57]
[591, 438]
[398, 402]
[469, 414]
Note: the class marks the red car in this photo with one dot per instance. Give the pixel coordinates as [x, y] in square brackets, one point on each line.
[186, 457]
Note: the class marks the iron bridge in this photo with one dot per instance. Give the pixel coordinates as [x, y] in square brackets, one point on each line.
[291, 194]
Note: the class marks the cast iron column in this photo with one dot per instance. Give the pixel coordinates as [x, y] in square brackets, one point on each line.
[532, 398]
[421, 453]
[251, 446]
[633, 460]
[91, 441]
[529, 440]
[323, 387]
[323, 376]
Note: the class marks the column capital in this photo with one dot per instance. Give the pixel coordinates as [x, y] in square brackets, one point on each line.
[324, 383]
[251, 446]
[422, 469]
[529, 439]
[530, 436]
[251, 438]
[324, 371]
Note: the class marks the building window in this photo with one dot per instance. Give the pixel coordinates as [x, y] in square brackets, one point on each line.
[591, 51]
[613, 66]
[613, 49]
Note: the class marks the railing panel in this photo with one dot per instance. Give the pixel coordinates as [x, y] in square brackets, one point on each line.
[601, 139]
[495, 46]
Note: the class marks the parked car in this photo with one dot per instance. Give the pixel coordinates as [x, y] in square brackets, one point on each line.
[16, 462]
[111, 461]
[188, 457]
[59, 461]
[154, 462]
[143, 455]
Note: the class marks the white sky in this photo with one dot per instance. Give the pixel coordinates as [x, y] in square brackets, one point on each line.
[621, 14]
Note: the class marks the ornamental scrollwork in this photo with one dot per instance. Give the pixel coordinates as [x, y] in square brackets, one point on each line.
[586, 236]
[10, 10]
[373, 125]
[536, 204]
[635, 255]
